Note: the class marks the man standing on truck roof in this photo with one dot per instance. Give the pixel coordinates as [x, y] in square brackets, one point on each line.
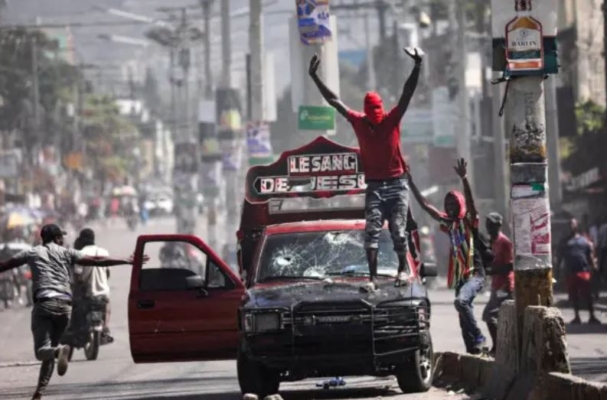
[51, 264]
[387, 194]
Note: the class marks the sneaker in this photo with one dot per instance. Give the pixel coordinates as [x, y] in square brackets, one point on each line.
[63, 360]
[368, 287]
[402, 279]
[594, 321]
[37, 396]
[576, 321]
[479, 345]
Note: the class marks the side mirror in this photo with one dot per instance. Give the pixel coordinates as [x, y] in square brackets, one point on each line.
[194, 282]
[428, 270]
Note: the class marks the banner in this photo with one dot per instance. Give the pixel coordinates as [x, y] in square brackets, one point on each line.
[259, 146]
[313, 21]
[209, 143]
[524, 37]
[320, 169]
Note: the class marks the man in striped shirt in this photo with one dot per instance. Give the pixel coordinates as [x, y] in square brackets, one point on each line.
[466, 273]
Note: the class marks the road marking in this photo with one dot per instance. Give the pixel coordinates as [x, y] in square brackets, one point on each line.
[19, 364]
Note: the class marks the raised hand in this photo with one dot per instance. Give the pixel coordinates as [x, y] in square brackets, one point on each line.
[314, 64]
[461, 168]
[415, 53]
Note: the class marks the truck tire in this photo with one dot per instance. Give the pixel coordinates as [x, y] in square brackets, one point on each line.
[416, 374]
[255, 378]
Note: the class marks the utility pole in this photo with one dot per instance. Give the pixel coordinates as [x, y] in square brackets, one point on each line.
[526, 120]
[499, 152]
[371, 79]
[256, 49]
[208, 73]
[226, 45]
[459, 58]
[554, 158]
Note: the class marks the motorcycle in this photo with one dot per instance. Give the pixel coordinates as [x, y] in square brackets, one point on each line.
[86, 328]
[132, 221]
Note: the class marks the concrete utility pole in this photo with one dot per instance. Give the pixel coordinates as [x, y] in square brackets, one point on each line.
[226, 45]
[554, 157]
[499, 152]
[208, 72]
[526, 122]
[257, 55]
[457, 23]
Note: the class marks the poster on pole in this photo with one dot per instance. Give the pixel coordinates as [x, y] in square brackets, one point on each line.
[259, 146]
[313, 21]
[531, 221]
[524, 37]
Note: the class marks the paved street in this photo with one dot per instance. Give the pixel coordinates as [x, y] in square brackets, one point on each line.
[114, 376]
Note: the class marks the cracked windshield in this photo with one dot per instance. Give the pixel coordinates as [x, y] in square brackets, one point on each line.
[318, 255]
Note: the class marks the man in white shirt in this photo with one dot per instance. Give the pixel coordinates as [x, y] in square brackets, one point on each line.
[94, 281]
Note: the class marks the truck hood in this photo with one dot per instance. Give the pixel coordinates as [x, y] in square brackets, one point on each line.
[286, 295]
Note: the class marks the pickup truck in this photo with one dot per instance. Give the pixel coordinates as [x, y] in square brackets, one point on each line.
[295, 309]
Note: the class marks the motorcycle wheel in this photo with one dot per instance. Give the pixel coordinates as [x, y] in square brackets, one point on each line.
[91, 349]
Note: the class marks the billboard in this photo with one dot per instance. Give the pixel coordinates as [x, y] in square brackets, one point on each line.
[313, 20]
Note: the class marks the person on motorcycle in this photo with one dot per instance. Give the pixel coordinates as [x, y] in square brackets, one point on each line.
[94, 282]
[51, 265]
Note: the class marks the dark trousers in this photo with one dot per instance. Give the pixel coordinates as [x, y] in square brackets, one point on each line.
[50, 318]
[491, 313]
[465, 294]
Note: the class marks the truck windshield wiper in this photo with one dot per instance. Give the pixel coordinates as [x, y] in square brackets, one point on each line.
[292, 278]
[358, 273]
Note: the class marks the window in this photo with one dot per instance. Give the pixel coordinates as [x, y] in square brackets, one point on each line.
[216, 279]
[317, 255]
[171, 263]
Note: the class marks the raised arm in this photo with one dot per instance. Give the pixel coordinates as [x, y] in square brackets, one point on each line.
[88, 261]
[462, 170]
[423, 202]
[411, 83]
[327, 93]
[11, 263]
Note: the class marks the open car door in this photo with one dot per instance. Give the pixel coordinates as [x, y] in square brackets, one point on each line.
[183, 303]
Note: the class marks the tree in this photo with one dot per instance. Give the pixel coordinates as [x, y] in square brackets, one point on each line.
[109, 137]
[55, 82]
[585, 150]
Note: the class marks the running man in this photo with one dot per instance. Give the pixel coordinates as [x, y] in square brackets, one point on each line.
[466, 273]
[50, 264]
[387, 193]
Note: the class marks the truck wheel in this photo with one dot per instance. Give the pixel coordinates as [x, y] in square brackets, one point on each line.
[91, 349]
[255, 378]
[416, 374]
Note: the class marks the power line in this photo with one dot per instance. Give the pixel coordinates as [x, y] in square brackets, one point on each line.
[74, 25]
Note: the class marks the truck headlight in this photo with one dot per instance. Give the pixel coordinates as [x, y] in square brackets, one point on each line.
[262, 322]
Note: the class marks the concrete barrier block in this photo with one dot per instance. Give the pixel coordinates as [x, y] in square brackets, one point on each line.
[544, 341]
[470, 371]
[448, 367]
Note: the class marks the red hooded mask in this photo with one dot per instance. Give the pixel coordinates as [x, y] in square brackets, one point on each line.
[374, 107]
[461, 200]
